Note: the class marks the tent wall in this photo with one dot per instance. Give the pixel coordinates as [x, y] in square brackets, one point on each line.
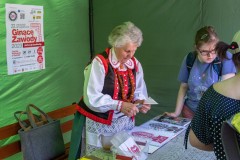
[66, 35]
[67, 51]
[168, 29]
[224, 16]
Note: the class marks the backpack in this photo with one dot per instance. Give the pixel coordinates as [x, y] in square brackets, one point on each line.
[217, 64]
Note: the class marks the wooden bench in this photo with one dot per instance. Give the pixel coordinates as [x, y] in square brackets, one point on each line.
[12, 130]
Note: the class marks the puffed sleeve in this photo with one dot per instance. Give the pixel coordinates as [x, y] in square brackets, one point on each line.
[141, 89]
[183, 72]
[94, 75]
[228, 65]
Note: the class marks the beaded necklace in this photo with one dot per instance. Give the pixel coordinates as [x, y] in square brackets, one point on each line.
[132, 85]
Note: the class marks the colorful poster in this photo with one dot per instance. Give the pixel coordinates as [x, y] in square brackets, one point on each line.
[25, 38]
[159, 130]
[153, 137]
[164, 127]
[180, 121]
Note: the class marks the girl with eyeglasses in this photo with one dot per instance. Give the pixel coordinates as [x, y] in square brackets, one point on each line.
[202, 75]
[219, 103]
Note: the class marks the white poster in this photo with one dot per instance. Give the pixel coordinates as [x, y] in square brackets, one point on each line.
[25, 38]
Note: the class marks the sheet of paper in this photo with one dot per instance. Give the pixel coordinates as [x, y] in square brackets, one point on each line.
[153, 137]
[180, 121]
[150, 101]
[130, 146]
[152, 149]
[164, 128]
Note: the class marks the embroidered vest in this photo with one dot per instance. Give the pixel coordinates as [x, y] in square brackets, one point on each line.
[108, 88]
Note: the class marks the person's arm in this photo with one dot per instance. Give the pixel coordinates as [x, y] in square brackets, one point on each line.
[141, 90]
[198, 144]
[183, 76]
[129, 109]
[180, 101]
[94, 76]
[93, 96]
[226, 76]
[228, 67]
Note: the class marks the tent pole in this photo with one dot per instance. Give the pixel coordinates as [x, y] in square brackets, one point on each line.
[91, 29]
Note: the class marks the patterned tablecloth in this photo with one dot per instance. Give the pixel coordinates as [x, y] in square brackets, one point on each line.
[175, 150]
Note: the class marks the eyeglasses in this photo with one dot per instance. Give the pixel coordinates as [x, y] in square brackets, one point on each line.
[207, 52]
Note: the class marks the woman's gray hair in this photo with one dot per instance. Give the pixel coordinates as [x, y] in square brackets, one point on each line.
[125, 33]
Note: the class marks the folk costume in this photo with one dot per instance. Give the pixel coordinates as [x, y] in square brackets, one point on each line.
[107, 85]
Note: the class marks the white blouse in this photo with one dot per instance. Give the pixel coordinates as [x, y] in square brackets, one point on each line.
[94, 80]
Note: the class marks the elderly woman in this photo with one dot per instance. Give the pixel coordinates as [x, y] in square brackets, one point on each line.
[113, 87]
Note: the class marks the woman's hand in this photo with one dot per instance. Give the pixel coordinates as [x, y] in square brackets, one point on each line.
[171, 114]
[129, 109]
[144, 107]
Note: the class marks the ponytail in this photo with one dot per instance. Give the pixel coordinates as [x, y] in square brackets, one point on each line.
[234, 47]
[221, 49]
[236, 54]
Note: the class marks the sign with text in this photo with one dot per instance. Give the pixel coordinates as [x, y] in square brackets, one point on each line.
[25, 38]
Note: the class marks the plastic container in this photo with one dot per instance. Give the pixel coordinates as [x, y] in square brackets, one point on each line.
[124, 144]
[106, 140]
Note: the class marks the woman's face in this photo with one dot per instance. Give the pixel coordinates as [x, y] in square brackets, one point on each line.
[125, 52]
[207, 53]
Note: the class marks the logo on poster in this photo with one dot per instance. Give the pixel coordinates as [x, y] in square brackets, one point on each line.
[40, 51]
[12, 16]
[40, 57]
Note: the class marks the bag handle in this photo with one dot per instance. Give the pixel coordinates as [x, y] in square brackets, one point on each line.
[23, 124]
[32, 119]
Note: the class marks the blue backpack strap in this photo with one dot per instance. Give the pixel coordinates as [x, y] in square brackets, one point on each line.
[217, 66]
[190, 60]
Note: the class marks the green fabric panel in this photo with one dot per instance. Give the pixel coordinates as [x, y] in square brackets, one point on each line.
[224, 16]
[168, 28]
[67, 51]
